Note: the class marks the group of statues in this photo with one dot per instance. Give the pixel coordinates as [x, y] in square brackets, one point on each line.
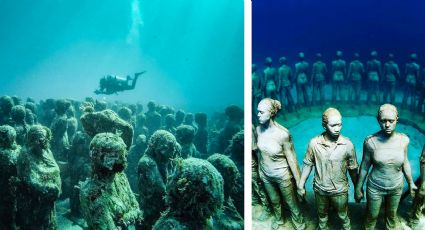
[120, 167]
[380, 80]
[331, 155]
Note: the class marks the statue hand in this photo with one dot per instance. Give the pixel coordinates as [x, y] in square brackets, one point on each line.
[412, 189]
[358, 195]
[301, 192]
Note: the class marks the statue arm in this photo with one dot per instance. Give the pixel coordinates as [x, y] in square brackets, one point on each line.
[364, 169]
[307, 167]
[288, 148]
[407, 171]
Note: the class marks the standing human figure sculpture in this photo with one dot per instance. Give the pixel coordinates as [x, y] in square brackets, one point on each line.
[331, 155]
[339, 71]
[278, 166]
[318, 78]
[269, 79]
[386, 152]
[257, 92]
[419, 200]
[391, 74]
[373, 70]
[411, 79]
[355, 77]
[301, 73]
[39, 182]
[284, 84]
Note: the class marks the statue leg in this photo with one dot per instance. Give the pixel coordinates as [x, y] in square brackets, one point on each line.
[340, 204]
[374, 199]
[290, 199]
[322, 203]
[392, 201]
[274, 196]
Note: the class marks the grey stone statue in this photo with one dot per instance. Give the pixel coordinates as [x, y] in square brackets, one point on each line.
[419, 200]
[386, 152]
[331, 155]
[278, 166]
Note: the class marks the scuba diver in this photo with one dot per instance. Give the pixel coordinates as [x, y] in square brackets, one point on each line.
[111, 84]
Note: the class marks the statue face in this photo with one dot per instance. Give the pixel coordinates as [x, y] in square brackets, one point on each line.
[264, 114]
[334, 125]
[388, 121]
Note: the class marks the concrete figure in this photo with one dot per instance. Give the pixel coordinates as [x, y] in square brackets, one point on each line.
[228, 217]
[257, 92]
[355, 77]
[318, 80]
[373, 70]
[331, 155]
[269, 79]
[391, 74]
[411, 81]
[9, 153]
[107, 201]
[278, 166]
[194, 195]
[386, 152]
[39, 183]
[284, 84]
[301, 80]
[153, 170]
[18, 114]
[201, 136]
[419, 199]
[339, 73]
[184, 136]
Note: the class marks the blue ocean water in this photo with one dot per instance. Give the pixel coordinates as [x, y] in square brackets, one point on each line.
[284, 28]
[192, 50]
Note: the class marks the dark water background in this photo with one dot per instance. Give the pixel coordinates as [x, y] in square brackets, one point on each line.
[192, 50]
[284, 28]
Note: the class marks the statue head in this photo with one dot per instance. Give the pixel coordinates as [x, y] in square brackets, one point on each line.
[339, 54]
[195, 190]
[332, 122]
[162, 146]
[318, 56]
[356, 56]
[170, 120]
[7, 136]
[185, 134]
[413, 57]
[18, 113]
[283, 60]
[268, 109]
[374, 54]
[228, 170]
[387, 118]
[268, 61]
[108, 153]
[301, 56]
[201, 119]
[38, 137]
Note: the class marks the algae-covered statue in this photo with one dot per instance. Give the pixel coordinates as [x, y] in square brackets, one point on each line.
[386, 152]
[278, 166]
[412, 80]
[153, 170]
[185, 135]
[227, 217]
[107, 201]
[39, 183]
[18, 114]
[331, 155]
[9, 152]
[111, 84]
[194, 195]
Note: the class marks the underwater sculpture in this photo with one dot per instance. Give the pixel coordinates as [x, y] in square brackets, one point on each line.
[125, 113]
[180, 114]
[18, 114]
[189, 120]
[153, 118]
[390, 75]
[233, 125]
[339, 71]
[386, 152]
[170, 120]
[6, 104]
[301, 73]
[59, 126]
[194, 195]
[31, 113]
[269, 79]
[227, 217]
[153, 170]
[257, 92]
[9, 152]
[111, 84]
[107, 201]
[355, 78]
[318, 79]
[72, 123]
[134, 154]
[201, 136]
[140, 128]
[284, 83]
[419, 199]
[39, 182]
[79, 159]
[185, 135]
[331, 155]
[106, 121]
[411, 80]
[373, 70]
[278, 166]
